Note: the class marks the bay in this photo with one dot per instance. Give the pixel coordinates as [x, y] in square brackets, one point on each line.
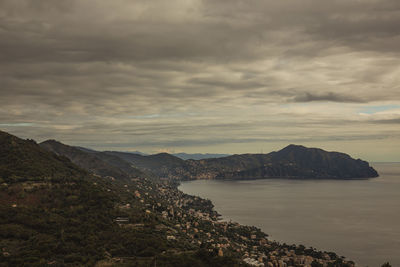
[359, 219]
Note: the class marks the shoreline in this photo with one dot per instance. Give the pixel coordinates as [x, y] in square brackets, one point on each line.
[318, 257]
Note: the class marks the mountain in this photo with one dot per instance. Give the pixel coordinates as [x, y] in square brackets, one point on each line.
[293, 161]
[50, 210]
[198, 156]
[319, 163]
[99, 163]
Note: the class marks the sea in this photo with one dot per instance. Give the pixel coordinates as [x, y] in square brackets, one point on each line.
[358, 219]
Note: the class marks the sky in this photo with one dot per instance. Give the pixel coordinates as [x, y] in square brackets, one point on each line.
[238, 76]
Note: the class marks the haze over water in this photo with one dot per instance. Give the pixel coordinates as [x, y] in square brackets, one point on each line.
[359, 219]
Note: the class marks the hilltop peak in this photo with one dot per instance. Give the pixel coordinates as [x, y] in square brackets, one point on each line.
[293, 147]
[164, 155]
[51, 141]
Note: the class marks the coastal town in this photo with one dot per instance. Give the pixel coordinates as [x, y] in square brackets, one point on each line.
[192, 220]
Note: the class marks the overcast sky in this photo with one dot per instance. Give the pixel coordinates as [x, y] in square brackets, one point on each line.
[203, 76]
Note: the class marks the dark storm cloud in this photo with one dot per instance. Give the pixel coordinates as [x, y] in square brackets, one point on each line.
[238, 30]
[395, 121]
[34, 34]
[329, 96]
[367, 24]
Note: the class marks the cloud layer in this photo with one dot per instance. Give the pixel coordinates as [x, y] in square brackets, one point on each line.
[207, 76]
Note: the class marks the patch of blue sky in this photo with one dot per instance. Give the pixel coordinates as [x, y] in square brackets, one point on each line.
[376, 109]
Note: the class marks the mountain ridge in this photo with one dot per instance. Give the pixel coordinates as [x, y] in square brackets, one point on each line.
[293, 161]
[99, 163]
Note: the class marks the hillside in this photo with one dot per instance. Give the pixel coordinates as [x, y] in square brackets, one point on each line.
[162, 165]
[23, 160]
[99, 163]
[47, 206]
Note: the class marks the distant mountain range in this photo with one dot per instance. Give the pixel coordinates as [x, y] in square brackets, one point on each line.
[182, 155]
[293, 161]
[198, 156]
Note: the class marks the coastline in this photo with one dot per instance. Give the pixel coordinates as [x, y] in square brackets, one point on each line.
[274, 253]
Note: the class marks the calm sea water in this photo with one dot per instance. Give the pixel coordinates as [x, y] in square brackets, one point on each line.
[359, 219]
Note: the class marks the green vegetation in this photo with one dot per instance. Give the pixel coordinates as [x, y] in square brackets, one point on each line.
[74, 224]
[23, 160]
[65, 223]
